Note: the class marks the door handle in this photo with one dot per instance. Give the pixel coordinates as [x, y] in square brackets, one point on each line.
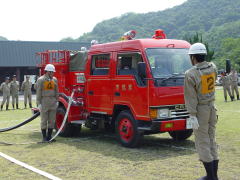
[117, 93]
[90, 92]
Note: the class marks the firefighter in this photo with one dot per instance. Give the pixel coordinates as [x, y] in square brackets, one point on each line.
[27, 90]
[234, 83]
[199, 95]
[14, 88]
[226, 82]
[47, 101]
[5, 88]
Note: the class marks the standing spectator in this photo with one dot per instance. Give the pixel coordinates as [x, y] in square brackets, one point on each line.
[234, 83]
[226, 82]
[14, 88]
[26, 88]
[5, 88]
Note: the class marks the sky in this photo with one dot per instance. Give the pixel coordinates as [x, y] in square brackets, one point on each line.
[53, 20]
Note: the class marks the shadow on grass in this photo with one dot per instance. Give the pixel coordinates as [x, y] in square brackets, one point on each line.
[151, 147]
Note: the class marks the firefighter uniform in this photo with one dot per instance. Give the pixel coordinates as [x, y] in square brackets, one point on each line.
[47, 99]
[5, 88]
[14, 88]
[199, 94]
[26, 88]
[226, 82]
[234, 84]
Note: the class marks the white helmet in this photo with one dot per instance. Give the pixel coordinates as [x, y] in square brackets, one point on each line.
[198, 48]
[50, 67]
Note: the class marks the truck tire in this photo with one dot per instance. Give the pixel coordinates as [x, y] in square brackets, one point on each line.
[127, 131]
[68, 129]
[181, 135]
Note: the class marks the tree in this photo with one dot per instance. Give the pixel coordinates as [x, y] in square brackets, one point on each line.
[198, 38]
[230, 49]
[68, 39]
[3, 38]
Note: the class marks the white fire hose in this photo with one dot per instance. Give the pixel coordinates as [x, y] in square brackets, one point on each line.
[65, 117]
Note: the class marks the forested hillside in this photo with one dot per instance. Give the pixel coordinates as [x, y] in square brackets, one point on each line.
[214, 19]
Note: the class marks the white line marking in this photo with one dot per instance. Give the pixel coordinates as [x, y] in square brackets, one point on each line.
[49, 176]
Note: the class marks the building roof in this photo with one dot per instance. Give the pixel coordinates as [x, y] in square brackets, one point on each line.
[23, 53]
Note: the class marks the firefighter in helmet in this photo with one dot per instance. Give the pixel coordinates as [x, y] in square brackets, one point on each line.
[27, 91]
[47, 101]
[199, 95]
[14, 88]
[5, 88]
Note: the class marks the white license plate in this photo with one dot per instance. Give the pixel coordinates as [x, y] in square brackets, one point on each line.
[188, 123]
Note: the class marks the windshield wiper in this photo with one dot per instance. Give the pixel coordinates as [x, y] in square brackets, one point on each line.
[171, 76]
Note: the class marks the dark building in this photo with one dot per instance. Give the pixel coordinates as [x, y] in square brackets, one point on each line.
[19, 57]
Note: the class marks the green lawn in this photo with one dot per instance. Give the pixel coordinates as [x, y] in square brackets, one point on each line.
[97, 155]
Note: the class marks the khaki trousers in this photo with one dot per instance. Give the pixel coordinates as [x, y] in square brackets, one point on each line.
[205, 141]
[234, 87]
[225, 90]
[27, 95]
[14, 98]
[5, 98]
[48, 112]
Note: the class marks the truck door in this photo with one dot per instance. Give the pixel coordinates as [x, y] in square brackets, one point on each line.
[128, 87]
[99, 86]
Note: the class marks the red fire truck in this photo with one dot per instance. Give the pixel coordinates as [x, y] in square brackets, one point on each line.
[133, 87]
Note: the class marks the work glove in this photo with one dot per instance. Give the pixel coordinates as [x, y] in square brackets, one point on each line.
[57, 103]
[194, 122]
[40, 107]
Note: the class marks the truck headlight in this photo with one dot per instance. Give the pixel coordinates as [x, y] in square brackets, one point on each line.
[163, 113]
[159, 113]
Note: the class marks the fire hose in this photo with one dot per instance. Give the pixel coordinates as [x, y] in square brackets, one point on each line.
[36, 115]
[21, 124]
[65, 117]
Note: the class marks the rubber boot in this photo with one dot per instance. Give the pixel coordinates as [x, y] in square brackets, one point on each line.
[6, 107]
[25, 106]
[13, 106]
[17, 106]
[1, 107]
[232, 98]
[237, 97]
[30, 105]
[44, 135]
[49, 136]
[225, 97]
[215, 168]
[209, 171]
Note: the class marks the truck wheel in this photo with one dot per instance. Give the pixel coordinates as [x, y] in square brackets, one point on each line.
[68, 129]
[181, 135]
[127, 130]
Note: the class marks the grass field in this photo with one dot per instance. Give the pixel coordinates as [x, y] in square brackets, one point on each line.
[97, 155]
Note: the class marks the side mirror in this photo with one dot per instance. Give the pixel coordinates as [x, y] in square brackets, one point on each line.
[141, 67]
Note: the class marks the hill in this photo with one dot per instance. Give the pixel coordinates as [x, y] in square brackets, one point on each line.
[215, 19]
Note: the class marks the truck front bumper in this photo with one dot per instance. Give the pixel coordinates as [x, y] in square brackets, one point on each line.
[165, 125]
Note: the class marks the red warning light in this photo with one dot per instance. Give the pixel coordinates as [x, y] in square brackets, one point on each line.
[159, 34]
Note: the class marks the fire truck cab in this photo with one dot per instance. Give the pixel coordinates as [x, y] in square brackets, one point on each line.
[133, 87]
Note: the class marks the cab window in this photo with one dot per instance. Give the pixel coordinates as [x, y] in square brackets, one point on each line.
[127, 63]
[100, 64]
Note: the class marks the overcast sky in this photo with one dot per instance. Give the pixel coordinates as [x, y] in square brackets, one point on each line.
[52, 20]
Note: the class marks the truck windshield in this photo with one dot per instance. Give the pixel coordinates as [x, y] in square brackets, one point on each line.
[168, 63]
